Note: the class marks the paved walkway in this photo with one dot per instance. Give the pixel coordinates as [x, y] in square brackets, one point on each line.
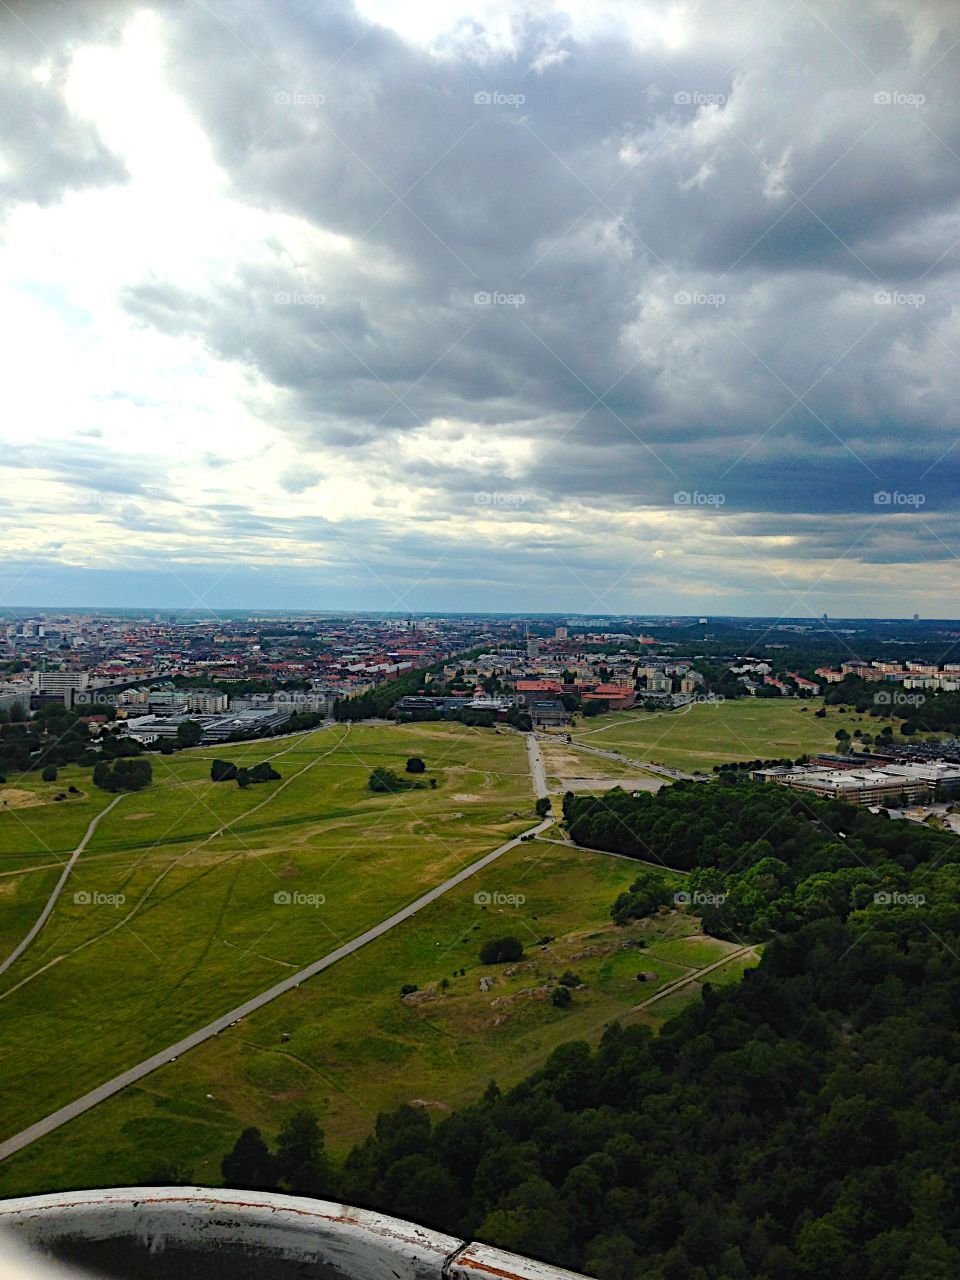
[73, 1109]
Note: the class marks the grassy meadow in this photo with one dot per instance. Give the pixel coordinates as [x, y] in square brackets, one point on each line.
[702, 734]
[180, 922]
[347, 1045]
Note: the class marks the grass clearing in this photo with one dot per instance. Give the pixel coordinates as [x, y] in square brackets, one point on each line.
[702, 734]
[347, 1045]
[187, 925]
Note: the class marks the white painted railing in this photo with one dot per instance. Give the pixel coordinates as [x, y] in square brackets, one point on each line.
[185, 1232]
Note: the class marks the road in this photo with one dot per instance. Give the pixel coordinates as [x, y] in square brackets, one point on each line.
[44, 916]
[695, 976]
[675, 775]
[133, 1074]
[537, 771]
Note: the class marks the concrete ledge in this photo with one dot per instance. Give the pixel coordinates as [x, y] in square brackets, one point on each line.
[162, 1233]
[483, 1262]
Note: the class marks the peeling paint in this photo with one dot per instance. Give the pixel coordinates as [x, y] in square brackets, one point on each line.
[200, 1232]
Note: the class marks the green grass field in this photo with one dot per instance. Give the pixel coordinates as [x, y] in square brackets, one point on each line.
[704, 734]
[107, 983]
[355, 1047]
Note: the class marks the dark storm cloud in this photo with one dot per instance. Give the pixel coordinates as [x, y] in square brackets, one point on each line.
[587, 273]
[607, 205]
[45, 148]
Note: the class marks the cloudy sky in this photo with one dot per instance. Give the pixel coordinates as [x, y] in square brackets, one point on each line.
[587, 306]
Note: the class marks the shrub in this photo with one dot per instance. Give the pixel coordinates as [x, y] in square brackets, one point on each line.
[50, 773]
[501, 950]
[416, 765]
[125, 774]
[561, 998]
[385, 780]
[408, 988]
[222, 771]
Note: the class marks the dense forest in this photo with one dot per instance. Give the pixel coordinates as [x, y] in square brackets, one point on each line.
[777, 858]
[803, 1124]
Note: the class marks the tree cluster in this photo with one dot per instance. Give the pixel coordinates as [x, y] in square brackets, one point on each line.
[226, 771]
[776, 858]
[129, 774]
[299, 1165]
[383, 780]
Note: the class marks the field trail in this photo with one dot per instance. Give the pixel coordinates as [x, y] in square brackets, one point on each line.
[125, 920]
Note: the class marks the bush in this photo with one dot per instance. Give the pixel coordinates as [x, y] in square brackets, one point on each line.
[385, 780]
[416, 765]
[222, 771]
[647, 892]
[542, 807]
[50, 773]
[125, 774]
[501, 950]
[561, 998]
[570, 979]
[408, 989]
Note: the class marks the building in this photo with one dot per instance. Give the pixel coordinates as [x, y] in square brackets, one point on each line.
[909, 781]
[61, 684]
[548, 711]
[617, 697]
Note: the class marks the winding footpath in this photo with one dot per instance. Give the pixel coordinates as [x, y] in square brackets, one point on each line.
[51, 902]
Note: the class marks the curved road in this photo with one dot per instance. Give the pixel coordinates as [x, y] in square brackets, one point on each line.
[88, 1100]
[58, 889]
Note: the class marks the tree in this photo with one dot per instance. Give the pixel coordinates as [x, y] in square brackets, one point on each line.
[501, 950]
[415, 765]
[222, 771]
[302, 1163]
[124, 774]
[189, 733]
[50, 773]
[647, 892]
[561, 997]
[249, 1166]
[542, 807]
